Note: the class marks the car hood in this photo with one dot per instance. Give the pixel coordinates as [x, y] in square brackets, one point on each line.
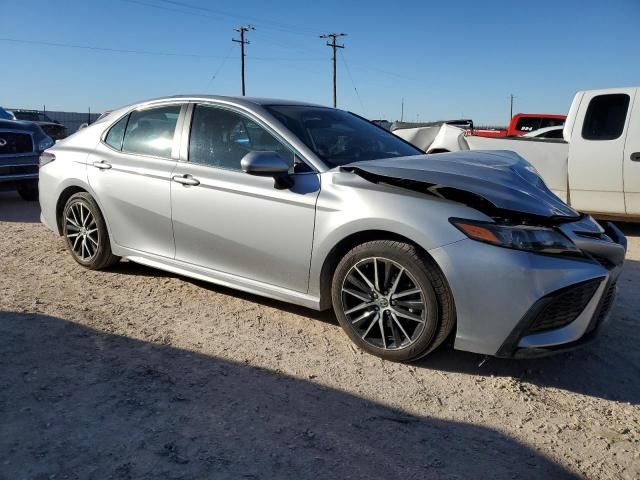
[495, 182]
[18, 125]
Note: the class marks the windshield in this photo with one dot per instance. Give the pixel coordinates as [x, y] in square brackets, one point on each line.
[29, 116]
[339, 137]
[4, 115]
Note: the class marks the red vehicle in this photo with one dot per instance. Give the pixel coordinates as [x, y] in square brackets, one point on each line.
[522, 123]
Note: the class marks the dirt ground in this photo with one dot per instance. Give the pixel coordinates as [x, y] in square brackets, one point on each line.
[135, 373]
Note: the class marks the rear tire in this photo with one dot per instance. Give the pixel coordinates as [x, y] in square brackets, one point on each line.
[28, 191]
[85, 233]
[392, 300]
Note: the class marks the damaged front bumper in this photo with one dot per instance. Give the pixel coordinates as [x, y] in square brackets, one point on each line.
[513, 303]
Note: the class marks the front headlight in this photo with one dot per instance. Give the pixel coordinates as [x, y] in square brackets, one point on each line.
[45, 143]
[519, 237]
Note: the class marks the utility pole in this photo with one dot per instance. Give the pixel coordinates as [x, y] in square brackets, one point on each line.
[334, 45]
[402, 110]
[511, 97]
[242, 30]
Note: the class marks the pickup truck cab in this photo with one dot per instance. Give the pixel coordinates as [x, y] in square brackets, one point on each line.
[594, 168]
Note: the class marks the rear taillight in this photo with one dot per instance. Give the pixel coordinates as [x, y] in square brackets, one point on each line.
[46, 157]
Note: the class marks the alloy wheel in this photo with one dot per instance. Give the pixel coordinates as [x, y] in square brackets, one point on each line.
[81, 231]
[384, 303]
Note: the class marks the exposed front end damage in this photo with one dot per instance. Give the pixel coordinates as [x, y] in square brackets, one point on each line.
[500, 184]
[514, 302]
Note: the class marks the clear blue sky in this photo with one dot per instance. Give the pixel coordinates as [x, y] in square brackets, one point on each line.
[445, 58]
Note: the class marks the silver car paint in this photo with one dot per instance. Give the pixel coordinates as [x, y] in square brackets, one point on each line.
[266, 251]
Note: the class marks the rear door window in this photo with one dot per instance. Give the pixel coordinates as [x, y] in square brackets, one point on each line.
[151, 131]
[605, 117]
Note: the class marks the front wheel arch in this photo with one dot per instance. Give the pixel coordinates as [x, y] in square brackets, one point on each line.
[343, 246]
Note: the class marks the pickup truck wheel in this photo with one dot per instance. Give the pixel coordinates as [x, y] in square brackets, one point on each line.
[392, 300]
[85, 233]
[28, 191]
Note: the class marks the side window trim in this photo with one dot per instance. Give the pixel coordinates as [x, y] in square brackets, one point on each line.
[186, 135]
[103, 138]
[177, 134]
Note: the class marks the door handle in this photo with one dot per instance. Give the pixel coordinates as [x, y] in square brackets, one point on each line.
[186, 180]
[102, 165]
[635, 157]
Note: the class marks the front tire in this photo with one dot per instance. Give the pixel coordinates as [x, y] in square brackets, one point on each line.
[85, 233]
[392, 300]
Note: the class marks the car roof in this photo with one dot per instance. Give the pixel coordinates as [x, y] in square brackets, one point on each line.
[246, 101]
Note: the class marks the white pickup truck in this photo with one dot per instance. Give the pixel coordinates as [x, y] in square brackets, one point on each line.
[595, 168]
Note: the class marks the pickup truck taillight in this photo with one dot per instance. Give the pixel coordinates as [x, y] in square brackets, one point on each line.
[46, 157]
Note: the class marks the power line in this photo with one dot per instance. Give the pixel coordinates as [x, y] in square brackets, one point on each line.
[198, 11]
[280, 25]
[344, 60]
[242, 30]
[334, 45]
[224, 60]
[106, 49]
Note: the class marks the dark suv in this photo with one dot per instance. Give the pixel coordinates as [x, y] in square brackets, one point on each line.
[20, 146]
[51, 127]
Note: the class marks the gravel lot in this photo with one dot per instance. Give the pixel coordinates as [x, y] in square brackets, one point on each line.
[135, 373]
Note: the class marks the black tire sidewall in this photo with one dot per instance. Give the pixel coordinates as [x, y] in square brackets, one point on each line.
[404, 255]
[103, 252]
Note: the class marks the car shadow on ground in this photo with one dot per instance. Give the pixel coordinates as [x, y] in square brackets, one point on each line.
[612, 360]
[81, 403]
[607, 368]
[14, 209]
[131, 268]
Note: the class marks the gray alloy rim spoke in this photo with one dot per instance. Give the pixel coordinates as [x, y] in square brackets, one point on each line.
[399, 325]
[396, 282]
[75, 216]
[75, 243]
[387, 273]
[359, 307]
[363, 316]
[382, 334]
[373, 322]
[376, 282]
[412, 291]
[82, 232]
[357, 283]
[358, 295]
[409, 316]
[92, 240]
[367, 281]
[409, 303]
[369, 293]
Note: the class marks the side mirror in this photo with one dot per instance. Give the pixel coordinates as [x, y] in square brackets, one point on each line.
[267, 164]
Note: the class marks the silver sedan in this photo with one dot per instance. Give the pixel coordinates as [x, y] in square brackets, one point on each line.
[319, 207]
